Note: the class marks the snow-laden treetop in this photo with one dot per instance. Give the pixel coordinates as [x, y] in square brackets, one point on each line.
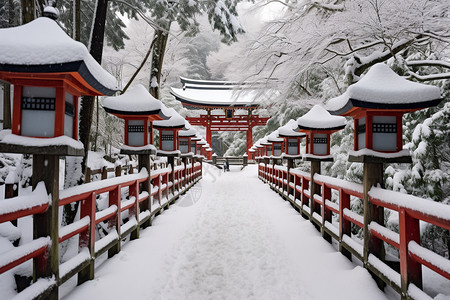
[319, 118]
[136, 101]
[42, 42]
[289, 130]
[274, 137]
[175, 120]
[382, 88]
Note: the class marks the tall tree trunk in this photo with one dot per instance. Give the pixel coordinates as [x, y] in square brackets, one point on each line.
[77, 20]
[96, 50]
[6, 86]
[28, 10]
[87, 102]
[159, 49]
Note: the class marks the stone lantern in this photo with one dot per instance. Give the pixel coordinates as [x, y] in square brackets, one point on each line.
[277, 143]
[377, 103]
[318, 125]
[138, 109]
[49, 71]
[168, 130]
[291, 138]
[184, 138]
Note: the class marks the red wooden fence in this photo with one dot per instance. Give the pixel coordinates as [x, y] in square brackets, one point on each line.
[124, 194]
[334, 200]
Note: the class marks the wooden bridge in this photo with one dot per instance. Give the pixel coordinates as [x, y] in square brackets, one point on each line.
[135, 199]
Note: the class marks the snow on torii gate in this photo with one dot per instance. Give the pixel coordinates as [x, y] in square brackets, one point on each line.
[219, 95]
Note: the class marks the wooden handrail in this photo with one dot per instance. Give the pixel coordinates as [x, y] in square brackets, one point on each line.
[85, 227]
[411, 210]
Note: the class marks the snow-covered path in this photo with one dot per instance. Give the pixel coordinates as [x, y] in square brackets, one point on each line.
[230, 237]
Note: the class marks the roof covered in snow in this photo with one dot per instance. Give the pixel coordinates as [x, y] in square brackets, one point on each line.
[42, 46]
[188, 130]
[137, 101]
[274, 137]
[289, 130]
[382, 88]
[175, 120]
[318, 118]
[207, 93]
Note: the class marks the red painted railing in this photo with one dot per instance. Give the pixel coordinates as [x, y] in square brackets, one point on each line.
[129, 208]
[330, 210]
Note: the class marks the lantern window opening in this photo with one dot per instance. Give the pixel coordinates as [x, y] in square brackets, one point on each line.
[320, 140]
[361, 129]
[69, 109]
[135, 128]
[167, 137]
[30, 103]
[384, 127]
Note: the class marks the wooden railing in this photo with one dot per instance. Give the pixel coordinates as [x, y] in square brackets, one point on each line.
[133, 200]
[329, 209]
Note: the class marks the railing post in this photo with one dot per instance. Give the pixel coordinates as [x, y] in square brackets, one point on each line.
[118, 171]
[144, 161]
[12, 188]
[290, 165]
[326, 213]
[87, 238]
[372, 176]
[344, 225]
[134, 210]
[104, 173]
[410, 270]
[114, 199]
[171, 161]
[87, 177]
[46, 169]
[315, 188]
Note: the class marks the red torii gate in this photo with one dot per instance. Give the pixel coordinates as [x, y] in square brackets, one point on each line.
[219, 95]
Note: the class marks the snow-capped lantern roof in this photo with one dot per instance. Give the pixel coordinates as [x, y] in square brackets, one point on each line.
[318, 118]
[264, 141]
[135, 102]
[274, 137]
[318, 125]
[174, 121]
[201, 142]
[187, 131]
[41, 49]
[290, 130]
[377, 103]
[382, 89]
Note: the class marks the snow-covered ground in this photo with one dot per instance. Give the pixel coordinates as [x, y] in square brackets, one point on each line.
[229, 237]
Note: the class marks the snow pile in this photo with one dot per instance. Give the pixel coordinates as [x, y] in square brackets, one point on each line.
[382, 85]
[37, 142]
[38, 197]
[319, 118]
[42, 42]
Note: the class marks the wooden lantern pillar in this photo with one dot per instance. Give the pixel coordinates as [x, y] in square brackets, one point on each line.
[318, 125]
[139, 110]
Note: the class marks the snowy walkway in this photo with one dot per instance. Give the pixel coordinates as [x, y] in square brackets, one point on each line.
[230, 237]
